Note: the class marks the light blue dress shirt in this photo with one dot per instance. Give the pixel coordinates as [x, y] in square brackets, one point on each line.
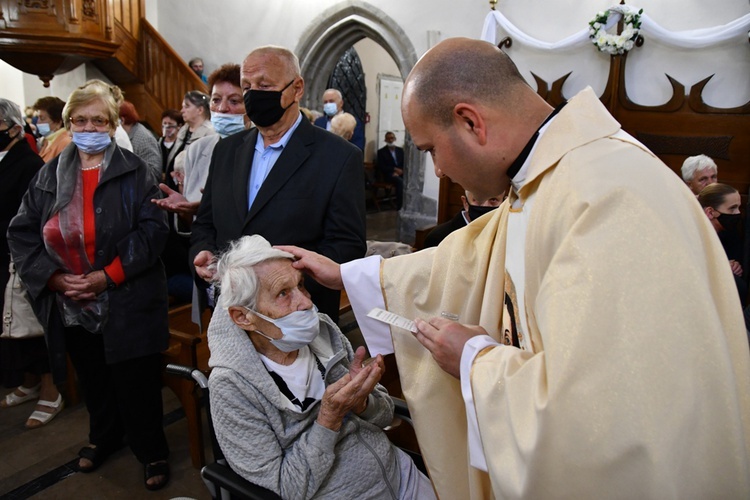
[264, 158]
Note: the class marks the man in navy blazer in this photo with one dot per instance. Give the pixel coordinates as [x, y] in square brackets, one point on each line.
[333, 104]
[286, 180]
[391, 165]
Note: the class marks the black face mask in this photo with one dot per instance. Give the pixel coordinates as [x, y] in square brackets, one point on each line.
[5, 139]
[476, 211]
[729, 221]
[263, 107]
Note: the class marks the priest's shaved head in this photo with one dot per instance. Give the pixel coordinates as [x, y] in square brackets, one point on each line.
[463, 70]
[468, 106]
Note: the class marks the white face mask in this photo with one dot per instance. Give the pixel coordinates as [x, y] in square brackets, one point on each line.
[330, 108]
[227, 124]
[298, 329]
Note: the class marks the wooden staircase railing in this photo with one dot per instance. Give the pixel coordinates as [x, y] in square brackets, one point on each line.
[53, 37]
[165, 75]
[153, 76]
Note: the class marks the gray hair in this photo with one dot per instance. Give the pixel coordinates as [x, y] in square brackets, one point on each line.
[338, 93]
[235, 274]
[10, 113]
[694, 163]
[289, 58]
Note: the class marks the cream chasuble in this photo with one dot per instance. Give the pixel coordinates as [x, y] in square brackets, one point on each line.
[638, 385]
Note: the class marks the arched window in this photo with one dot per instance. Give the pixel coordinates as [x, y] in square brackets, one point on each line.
[349, 78]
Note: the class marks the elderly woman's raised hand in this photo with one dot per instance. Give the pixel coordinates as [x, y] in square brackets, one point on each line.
[348, 394]
[359, 362]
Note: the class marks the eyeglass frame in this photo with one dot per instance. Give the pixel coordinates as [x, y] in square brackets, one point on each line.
[73, 120]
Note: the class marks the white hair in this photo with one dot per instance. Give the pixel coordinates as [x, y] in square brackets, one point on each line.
[235, 274]
[694, 163]
[10, 113]
[337, 92]
[343, 125]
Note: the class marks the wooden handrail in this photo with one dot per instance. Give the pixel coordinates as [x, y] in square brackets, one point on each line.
[166, 76]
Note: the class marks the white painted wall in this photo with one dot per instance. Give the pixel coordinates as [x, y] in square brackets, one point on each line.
[25, 89]
[228, 30]
[11, 84]
[152, 14]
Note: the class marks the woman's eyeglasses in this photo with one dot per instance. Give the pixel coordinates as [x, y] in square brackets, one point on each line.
[97, 121]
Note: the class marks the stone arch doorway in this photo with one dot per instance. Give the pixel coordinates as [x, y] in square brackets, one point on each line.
[329, 35]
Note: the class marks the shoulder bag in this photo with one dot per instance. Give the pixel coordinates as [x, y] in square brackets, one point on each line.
[19, 320]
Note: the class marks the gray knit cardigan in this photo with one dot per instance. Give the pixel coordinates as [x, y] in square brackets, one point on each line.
[288, 452]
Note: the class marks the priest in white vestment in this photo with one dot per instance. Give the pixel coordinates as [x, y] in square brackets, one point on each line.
[600, 350]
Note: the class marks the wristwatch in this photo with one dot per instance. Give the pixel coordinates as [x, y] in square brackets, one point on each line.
[111, 285]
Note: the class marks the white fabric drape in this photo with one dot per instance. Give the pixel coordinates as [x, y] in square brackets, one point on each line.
[695, 39]
[650, 29]
[495, 18]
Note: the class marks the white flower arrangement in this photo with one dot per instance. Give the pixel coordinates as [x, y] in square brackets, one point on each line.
[616, 44]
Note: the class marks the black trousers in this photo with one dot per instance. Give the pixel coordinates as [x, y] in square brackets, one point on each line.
[123, 399]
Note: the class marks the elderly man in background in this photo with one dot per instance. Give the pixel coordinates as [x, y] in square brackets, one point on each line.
[333, 104]
[391, 165]
[294, 408]
[698, 172]
[286, 180]
[585, 341]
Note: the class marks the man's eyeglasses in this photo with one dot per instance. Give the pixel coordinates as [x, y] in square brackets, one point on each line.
[168, 126]
[97, 121]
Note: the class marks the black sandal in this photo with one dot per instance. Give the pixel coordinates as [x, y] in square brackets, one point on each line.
[153, 470]
[96, 456]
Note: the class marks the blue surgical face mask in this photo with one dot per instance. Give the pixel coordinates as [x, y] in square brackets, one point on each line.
[43, 129]
[226, 124]
[330, 108]
[91, 142]
[298, 329]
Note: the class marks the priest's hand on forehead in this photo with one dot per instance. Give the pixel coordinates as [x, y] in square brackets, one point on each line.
[320, 268]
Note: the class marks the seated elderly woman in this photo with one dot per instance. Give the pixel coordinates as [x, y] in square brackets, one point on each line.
[294, 409]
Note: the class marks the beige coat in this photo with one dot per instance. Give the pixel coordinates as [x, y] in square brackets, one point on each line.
[638, 385]
[203, 130]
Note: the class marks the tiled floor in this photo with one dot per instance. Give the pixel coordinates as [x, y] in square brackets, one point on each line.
[381, 226]
[38, 464]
